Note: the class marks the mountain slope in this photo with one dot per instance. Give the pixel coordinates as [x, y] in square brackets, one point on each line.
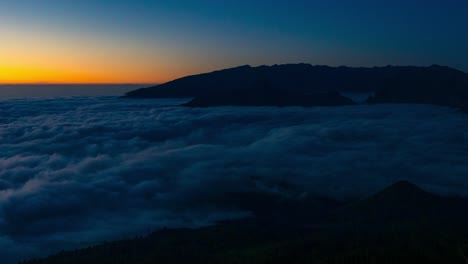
[406, 205]
[268, 98]
[433, 85]
[306, 85]
[349, 235]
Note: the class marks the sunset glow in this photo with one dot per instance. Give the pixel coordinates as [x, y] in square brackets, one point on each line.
[155, 41]
[54, 57]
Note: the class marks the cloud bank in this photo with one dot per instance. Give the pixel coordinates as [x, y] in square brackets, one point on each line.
[81, 170]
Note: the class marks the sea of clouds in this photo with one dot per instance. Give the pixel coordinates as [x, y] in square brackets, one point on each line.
[77, 171]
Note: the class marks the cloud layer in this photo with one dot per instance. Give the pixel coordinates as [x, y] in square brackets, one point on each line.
[80, 170]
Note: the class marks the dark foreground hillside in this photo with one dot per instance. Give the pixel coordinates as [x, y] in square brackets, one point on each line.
[401, 224]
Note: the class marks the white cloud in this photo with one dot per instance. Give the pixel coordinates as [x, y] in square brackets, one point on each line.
[79, 170]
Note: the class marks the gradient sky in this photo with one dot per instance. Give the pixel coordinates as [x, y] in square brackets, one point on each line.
[130, 41]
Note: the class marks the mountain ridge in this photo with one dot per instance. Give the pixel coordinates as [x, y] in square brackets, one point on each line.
[305, 84]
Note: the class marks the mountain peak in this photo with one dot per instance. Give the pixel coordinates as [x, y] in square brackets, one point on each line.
[403, 186]
[403, 192]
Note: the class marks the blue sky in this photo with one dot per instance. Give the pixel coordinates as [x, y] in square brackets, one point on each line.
[175, 38]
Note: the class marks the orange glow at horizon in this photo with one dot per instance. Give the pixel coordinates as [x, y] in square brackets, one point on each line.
[26, 75]
[70, 74]
[28, 56]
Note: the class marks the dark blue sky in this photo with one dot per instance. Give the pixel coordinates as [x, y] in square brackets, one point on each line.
[154, 41]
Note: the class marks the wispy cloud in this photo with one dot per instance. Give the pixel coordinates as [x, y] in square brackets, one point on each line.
[80, 170]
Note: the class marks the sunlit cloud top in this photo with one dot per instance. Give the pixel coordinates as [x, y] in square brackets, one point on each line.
[125, 41]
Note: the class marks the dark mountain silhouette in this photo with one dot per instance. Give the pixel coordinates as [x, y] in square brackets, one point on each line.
[275, 209]
[276, 98]
[433, 85]
[405, 204]
[307, 85]
[388, 227]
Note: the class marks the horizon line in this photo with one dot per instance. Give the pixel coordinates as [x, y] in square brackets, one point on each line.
[73, 83]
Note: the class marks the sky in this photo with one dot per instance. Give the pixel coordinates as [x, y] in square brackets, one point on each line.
[128, 41]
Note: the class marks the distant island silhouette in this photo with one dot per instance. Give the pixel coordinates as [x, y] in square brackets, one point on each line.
[308, 85]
